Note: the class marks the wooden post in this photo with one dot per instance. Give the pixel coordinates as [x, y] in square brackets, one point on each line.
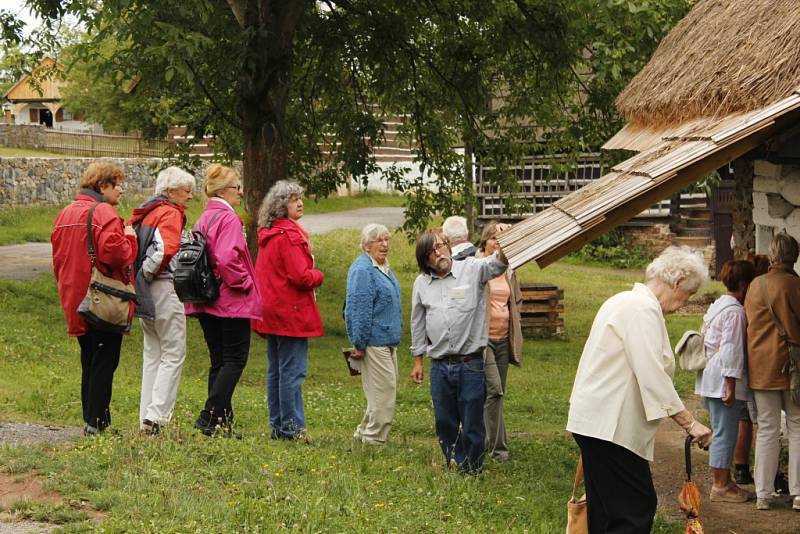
[469, 193]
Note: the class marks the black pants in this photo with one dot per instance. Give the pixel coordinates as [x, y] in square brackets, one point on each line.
[619, 488]
[228, 341]
[99, 360]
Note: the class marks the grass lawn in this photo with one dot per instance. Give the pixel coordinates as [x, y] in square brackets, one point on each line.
[22, 224]
[9, 152]
[184, 482]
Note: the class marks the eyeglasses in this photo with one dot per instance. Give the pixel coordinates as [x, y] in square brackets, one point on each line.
[439, 246]
[237, 187]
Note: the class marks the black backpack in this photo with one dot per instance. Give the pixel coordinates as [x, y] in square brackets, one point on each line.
[194, 278]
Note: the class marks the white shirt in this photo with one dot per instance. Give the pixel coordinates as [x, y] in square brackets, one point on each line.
[623, 386]
[725, 347]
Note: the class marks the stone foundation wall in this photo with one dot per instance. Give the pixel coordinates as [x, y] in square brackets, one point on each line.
[654, 238]
[22, 135]
[25, 181]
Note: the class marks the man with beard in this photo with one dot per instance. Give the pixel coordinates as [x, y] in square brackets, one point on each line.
[448, 323]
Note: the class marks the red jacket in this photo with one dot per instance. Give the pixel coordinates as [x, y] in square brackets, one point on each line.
[286, 279]
[115, 252]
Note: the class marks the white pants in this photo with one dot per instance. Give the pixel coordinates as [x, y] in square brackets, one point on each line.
[164, 352]
[769, 405]
[379, 380]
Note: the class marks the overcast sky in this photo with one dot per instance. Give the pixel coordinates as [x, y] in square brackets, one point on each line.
[18, 8]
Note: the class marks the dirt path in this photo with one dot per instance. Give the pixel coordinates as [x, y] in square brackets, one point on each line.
[718, 518]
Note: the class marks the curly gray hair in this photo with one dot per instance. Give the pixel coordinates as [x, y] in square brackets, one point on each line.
[679, 262]
[275, 204]
[173, 178]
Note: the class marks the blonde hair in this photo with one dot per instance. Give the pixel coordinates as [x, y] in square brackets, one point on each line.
[783, 249]
[218, 177]
[99, 174]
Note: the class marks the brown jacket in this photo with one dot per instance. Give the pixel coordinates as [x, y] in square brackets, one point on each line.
[515, 328]
[767, 352]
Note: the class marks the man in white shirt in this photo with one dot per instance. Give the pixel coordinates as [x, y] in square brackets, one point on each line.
[457, 234]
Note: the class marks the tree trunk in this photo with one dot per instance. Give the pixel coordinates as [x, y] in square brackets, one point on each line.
[469, 197]
[263, 92]
[744, 234]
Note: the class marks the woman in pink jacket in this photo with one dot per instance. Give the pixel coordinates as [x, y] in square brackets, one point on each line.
[226, 320]
[289, 316]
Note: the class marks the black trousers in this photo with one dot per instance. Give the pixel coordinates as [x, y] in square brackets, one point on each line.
[99, 359]
[620, 495]
[228, 341]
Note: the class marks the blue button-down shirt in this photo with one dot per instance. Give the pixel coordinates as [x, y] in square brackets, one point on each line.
[448, 314]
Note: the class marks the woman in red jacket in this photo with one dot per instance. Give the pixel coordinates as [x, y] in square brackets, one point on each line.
[286, 279]
[101, 185]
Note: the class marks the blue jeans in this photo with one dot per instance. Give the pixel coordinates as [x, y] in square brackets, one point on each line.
[287, 359]
[458, 391]
[725, 427]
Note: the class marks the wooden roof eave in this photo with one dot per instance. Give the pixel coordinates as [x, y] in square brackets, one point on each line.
[681, 179]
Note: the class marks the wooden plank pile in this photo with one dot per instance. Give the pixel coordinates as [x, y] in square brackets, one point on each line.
[541, 309]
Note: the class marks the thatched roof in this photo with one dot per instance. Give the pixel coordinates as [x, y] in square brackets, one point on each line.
[725, 56]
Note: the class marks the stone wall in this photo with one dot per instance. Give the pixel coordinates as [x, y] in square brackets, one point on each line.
[776, 201]
[655, 237]
[22, 135]
[25, 181]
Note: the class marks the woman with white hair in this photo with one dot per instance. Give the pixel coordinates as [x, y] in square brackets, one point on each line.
[772, 307]
[286, 279]
[623, 388]
[374, 321]
[159, 223]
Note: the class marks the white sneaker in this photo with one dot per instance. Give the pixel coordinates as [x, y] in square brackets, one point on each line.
[762, 504]
[796, 503]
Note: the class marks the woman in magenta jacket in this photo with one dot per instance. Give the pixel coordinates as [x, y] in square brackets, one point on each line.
[286, 278]
[226, 320]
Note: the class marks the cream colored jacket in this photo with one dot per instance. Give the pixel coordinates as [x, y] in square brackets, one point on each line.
[623, 386]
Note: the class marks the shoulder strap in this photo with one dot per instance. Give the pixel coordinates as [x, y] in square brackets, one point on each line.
[578, 477]
[90, 234]
[781, 330]
[707, 323]
[211, 221]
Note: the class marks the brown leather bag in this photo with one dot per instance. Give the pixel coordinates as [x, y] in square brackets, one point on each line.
[577, 513]
[108, 304]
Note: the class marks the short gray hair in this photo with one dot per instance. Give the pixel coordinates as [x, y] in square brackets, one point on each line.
[371, 232]
[275, 204]
[455, 227]
[173, 178]
[783, 249]
[679, 262]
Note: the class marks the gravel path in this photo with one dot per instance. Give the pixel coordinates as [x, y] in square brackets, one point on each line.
[29, 260]
[26, 527]
[26, 433]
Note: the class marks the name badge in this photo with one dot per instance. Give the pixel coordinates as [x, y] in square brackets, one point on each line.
[457, 293]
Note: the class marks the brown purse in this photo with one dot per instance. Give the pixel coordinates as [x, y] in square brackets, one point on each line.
[107, 305]
[577, 513]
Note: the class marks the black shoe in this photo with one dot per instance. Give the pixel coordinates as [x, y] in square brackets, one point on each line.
[781, 484]
[741, 474]
[206, 424]
[91, 431]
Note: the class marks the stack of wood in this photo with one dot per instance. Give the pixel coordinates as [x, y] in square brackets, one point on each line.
[542, 306]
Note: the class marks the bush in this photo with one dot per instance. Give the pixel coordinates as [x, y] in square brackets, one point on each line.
[612, 249]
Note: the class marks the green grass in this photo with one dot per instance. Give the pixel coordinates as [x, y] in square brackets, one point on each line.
[183, 482]
[22, 224]
[10, 152]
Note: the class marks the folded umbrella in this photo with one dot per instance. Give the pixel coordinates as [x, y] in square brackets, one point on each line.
[689, 497]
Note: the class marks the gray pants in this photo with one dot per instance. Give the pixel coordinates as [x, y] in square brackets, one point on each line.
[496, 366]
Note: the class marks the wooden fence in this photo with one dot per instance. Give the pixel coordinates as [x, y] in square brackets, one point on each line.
[99, 145]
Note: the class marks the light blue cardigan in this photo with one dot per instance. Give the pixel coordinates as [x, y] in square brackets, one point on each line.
[373, 315]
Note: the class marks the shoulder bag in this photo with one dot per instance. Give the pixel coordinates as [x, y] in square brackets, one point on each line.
[107, 304]
[792, 366]
[577, 513]
[691, 349]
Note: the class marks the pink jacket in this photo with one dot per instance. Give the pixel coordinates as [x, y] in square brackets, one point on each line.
[230, 259]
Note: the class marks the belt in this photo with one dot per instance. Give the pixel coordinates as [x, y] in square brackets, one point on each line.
[463, 358]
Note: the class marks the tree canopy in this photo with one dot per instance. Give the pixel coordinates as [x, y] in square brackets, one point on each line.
[302, 89]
